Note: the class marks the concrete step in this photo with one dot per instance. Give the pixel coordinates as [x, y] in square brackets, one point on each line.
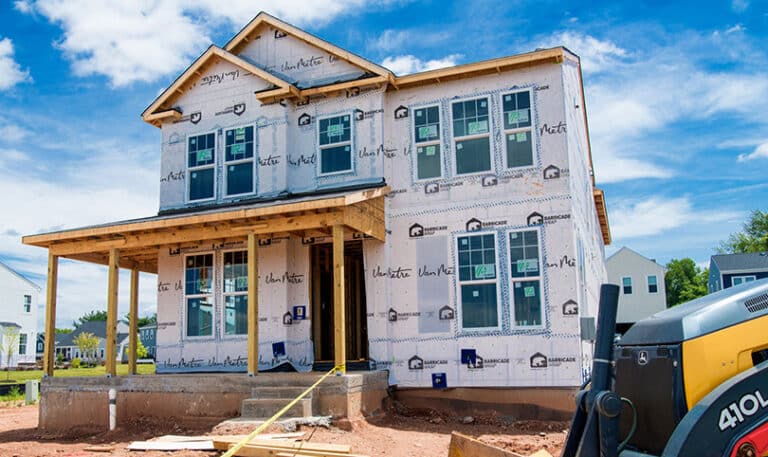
[288, 393]
[267, 407]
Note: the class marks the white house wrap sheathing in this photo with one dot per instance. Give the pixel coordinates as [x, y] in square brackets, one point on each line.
[413, 307]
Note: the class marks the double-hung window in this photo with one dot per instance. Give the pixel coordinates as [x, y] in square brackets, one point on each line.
[426, 135]
[22, 344]
[201, 160]
[653, 284]
[335, 138]
[478, 281]
[626, 285]
[198, 290]
[525, 258]
[238, 160]
[517, 129]
[27, 303]
[236, 293]
[471, 136]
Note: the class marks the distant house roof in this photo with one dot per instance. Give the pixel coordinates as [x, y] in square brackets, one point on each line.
[21, 276]
[97, 328]
[626, 249]
[738, 262]
[9, 324]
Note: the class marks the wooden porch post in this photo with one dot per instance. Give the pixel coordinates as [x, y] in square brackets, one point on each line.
[339, 311]
[253, 305]
[50, 314]
[110, 364]
[134, 312]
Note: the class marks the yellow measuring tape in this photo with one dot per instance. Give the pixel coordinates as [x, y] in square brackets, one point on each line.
[277, 416]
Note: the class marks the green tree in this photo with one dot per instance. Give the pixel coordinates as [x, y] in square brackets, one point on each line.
[141, 350]
[91, 316]
[9, 343]
[753, 237]
[143, 320]
[63, 331]
[87, 343]
[684, 281]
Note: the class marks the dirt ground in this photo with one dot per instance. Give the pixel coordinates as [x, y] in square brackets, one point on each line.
[398, 433]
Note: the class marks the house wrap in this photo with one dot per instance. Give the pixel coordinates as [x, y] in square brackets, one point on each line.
[490, 248]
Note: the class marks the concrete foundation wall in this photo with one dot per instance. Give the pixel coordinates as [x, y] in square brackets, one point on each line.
[540, 403]
[82, 403]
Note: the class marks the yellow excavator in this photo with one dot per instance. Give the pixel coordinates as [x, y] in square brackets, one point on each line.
[689, 381]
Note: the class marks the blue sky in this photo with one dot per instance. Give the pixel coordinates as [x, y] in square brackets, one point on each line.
[675, 97]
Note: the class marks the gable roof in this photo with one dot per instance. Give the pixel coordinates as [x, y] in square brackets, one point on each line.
[19, 275]
[243, 37]
[731, 262]
[635, 253]
[161, 107]
[10, 324]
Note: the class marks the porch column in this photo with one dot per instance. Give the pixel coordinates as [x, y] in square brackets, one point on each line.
[110, 354]
[134, 324]
[50, 314]
[339, 311]
[253, 305]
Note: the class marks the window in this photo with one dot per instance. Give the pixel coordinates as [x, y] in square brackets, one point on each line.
[477, 281]
[238, 160]
[517, 129]
[426, 135]
[526, 277]
[471, 135]
[236, 293]
[335, 137]
[736, 280]
[199, 294]
[27, 303]
[627, 285]
[653, 285]
[201, 159]
[22, 343]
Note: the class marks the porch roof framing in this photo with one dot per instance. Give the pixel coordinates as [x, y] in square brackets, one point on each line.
[139, 241]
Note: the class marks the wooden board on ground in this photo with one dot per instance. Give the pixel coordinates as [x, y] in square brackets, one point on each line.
[171, 446]
[258, 451]
[99, 449]
[224, 443]
[541, 453]
[263, 436]
[465, 446]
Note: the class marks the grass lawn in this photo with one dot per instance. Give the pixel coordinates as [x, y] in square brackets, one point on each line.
[122, 369]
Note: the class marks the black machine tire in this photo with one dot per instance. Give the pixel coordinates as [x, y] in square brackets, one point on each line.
[716, 424]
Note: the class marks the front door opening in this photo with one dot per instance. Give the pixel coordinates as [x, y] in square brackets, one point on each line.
[322, 301]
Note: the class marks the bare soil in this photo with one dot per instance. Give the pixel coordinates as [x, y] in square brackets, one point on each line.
[401, 432]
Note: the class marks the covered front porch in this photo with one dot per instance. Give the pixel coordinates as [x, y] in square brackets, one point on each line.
[137, 245]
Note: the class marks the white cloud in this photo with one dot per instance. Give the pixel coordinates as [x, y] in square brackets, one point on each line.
[656, 215]
[10, 71]
[22, 6]
[392, 40]
[760, 152]
[11, 133]
[407, 64]
[596, 55]
[636, 95]
[144, 40]
[735, 29]
[739, 6]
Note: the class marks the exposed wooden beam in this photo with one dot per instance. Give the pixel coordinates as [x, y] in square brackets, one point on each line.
[50, 314]
[134, 325]
[281, 224]
[113, 278]
[253, 305]
[339, 311]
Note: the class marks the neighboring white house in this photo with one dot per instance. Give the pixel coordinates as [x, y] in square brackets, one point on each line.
[65, 343]
[642, 286]
[18, 309]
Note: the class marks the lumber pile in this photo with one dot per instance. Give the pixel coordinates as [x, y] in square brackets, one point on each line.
[283, 448]
[265, 445]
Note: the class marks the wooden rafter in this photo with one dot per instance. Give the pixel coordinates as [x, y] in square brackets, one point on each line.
[602, 215]
[140, 242]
